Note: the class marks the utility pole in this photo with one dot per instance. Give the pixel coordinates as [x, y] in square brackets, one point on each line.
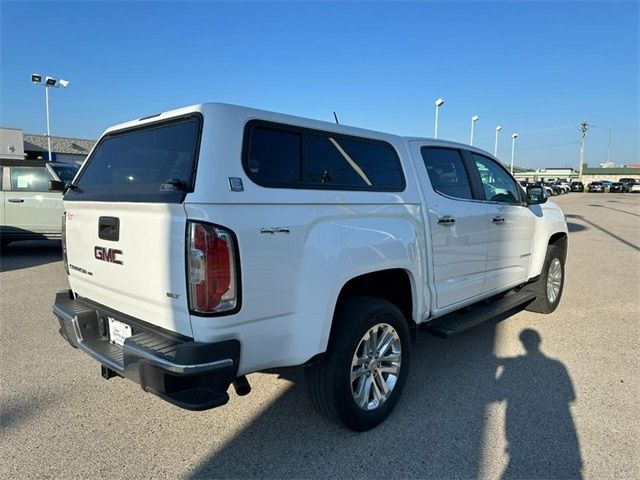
[584, 128]
[609, 145]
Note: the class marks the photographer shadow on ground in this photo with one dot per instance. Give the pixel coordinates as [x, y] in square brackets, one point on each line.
[540, 433]
[440, 429]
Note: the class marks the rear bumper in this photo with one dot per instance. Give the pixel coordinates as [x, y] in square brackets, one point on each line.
[191, 375]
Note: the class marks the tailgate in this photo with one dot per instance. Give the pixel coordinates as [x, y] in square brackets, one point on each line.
[142, 273]
[126, 223]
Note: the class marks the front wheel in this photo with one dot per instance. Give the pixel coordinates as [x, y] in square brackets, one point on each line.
[362, 376]
[549, 286]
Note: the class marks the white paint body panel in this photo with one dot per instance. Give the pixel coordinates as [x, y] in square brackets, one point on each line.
[510, 245]
[459, 250]
[290, 281]
[39, 212]
[152, 241]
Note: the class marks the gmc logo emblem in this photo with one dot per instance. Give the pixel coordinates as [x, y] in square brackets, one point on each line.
[107, 254]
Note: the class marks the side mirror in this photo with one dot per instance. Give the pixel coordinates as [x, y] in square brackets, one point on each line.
[536, 195]
[56, 186]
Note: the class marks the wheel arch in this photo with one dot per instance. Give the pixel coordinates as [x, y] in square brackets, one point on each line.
[395, 285]
[560, 240]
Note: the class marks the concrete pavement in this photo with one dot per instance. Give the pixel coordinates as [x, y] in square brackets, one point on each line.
[559, 400]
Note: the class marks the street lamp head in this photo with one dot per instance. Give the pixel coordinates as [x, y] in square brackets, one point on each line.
[63, 83]
[439, 102]
[514, 136]
[50, 81]
[36, 78]
[498, 128]
[475, 118]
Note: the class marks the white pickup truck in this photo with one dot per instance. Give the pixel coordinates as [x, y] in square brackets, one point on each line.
[213, 241]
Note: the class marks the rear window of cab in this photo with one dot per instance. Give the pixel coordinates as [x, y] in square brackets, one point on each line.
[283, 156]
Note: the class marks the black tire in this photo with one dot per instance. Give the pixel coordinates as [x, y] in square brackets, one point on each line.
[542, 303]
[329, 381]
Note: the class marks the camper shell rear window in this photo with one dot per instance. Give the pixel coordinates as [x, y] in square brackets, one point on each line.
[153, 163]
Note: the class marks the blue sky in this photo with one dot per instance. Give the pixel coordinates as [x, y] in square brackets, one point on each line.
[536, 68]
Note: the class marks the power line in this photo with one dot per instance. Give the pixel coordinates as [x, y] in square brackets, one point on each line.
[561, 144]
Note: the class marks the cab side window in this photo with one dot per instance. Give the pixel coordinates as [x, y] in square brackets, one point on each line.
[30, 179]
[447, 172]
[497, 184]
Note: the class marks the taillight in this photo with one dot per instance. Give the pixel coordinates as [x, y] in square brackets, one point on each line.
[64, 242]
[211, 269]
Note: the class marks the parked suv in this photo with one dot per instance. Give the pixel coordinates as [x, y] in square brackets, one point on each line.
[31, 199]
[617, 187]
[597, 187]
[628, 183]
[577, 187]
[210, 242]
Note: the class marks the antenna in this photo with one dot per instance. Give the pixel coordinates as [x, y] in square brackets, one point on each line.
[336, 117]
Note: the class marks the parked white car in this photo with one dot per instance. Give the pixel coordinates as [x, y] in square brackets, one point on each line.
[31, 199]
[213, 241]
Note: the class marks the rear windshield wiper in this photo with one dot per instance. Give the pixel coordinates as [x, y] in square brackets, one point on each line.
[173, 184]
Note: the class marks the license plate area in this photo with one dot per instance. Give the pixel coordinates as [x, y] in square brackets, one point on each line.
[118, 331]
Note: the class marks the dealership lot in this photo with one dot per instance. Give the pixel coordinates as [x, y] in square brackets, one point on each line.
[474, 405]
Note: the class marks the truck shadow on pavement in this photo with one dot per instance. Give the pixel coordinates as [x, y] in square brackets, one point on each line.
[575, 227]
[604, 230]
[19, 410]
[615, 209]
[439, 428]
[27, 254]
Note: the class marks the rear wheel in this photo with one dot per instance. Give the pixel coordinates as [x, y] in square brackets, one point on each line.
[362, 376]
[549, 286]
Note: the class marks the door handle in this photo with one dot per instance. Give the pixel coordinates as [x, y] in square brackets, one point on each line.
[498, 220]
[446, 221]
[16, 200]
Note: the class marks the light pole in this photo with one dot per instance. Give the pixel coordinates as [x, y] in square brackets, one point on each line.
[439, 102]
[513, 149]
[49, 82]
[495, 147]
[474, 119]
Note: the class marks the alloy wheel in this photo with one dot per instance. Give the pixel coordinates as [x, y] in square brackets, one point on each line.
[375, 367]
[554, 280]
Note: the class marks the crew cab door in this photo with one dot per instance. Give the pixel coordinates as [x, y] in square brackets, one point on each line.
[457, 223]
[511, 225]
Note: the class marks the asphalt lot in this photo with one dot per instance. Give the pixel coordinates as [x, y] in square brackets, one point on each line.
[567, 409]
